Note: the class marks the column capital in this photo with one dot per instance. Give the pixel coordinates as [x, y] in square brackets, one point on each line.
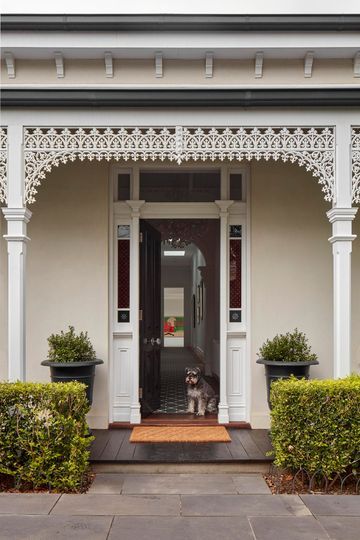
[341, 220]
[135, 207]
[17, 214]
[223, 206]
[341, 214]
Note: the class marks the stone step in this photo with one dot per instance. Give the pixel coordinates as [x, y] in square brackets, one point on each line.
[187, 468]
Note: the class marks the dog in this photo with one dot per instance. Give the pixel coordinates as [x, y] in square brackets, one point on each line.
[200, 394]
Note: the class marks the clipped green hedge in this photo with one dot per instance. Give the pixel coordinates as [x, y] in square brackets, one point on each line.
[43, 434]
[315, 424]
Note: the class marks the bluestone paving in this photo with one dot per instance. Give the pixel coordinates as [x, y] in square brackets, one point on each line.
[179, 484]
[181, 528]
[122, 505]
[27, 503]
[59, 527]
[252, 484]
[340, 527]
[326, 505]
[241, 505]
[179, 507]
[107, 483]
[288, 528]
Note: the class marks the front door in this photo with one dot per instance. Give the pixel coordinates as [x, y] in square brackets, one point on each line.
[150, 324]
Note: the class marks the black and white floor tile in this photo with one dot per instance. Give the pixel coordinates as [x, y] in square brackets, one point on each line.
[173, 390]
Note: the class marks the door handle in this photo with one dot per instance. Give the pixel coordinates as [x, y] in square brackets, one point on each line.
[152, 341]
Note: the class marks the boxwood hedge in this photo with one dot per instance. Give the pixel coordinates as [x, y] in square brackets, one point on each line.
[43, 434]
[315, 425]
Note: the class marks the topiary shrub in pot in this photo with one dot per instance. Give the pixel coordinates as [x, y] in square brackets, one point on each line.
[72, 357]
[285, 355]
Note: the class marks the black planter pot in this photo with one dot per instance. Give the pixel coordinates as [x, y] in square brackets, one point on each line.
[83, 372]
[283, 370]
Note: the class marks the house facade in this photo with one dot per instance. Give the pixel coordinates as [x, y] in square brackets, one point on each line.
[179, 182]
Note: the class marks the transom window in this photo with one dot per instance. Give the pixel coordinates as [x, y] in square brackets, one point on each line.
[180, 186]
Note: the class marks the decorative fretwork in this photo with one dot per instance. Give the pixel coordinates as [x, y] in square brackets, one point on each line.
[312, 148]
[355, 144]
[3, 164]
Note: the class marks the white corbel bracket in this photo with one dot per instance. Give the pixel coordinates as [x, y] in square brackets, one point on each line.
[209, 65]
[159, 64]
[59, 64]
[109, 65]
[308, 64]
[10, 64]
[259, 61]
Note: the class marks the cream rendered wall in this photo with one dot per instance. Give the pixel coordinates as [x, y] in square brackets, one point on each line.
[291, 268]
[3, 300]
[67, 279]
[356, 297]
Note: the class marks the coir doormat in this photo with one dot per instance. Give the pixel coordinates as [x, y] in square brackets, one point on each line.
[176, 434]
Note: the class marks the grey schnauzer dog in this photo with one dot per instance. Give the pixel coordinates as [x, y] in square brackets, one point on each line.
[201, 397]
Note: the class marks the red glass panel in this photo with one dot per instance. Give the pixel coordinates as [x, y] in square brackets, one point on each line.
[123, 274]
[235, 274]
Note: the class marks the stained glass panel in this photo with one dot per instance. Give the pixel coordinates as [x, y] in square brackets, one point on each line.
[123, 274]
[235, 273]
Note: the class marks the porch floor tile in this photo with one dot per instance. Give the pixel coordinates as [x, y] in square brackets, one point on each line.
[27, 503]
[59, 527]
[340, 527]
[342, 505]
[179, 484]
[181, 528]
[118, 505]
[284, 528]
[241, 505]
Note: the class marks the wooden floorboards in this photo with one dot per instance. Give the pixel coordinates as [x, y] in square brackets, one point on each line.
[247, 445]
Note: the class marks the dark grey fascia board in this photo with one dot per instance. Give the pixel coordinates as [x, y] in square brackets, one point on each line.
[160, 98]
[198, 23]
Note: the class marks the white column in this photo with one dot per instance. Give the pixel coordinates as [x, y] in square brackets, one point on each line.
[135, 417]
[341, 217]
[17, 217]
[341, 240]
[223, 416]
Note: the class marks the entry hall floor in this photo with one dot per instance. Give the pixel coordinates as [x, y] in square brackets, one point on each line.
[173, 361]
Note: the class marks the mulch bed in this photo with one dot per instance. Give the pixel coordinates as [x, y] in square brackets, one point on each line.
[281, 482]
[7, 484]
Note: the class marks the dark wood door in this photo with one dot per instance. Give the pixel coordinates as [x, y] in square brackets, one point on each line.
[150, 325]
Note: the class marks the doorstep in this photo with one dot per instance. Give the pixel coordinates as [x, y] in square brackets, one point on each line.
[112, 451]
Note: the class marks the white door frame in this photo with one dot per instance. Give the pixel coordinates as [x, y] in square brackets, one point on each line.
[124, 337]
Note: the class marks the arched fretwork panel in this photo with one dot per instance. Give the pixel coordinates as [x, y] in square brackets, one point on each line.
[355, 145]
[312, 148]
[3, 164]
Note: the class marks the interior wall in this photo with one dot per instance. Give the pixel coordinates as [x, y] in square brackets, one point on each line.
[291, 267]
[198, 333]
[67, 279]
[3, 300]
[174, 302]
[179, 276]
